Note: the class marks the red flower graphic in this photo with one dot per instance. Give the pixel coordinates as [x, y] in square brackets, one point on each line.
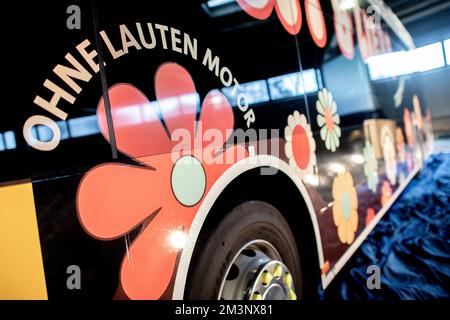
[289, 12]
[164, 191]
[370, 215]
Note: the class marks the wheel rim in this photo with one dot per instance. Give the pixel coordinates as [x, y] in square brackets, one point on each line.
[257, 272]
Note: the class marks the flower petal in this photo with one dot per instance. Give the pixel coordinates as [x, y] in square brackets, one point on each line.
[113, 199]
[330, 100]
[323, 97]
[290, 14]
[353, 220]
[260, 10]
[216, 120]
[335, 138]
[337, 119]
[291, 121]
[288, 133]
[337, 187]
[177, 97]
[293, 164]
[338, 131]
[149, 265]
[353, 197]
[328, 142]
[288, 150]
[312, 142]
[313, 161]
[299, 119]
[342, 232]
[338, 217]
[134, 120]
[319, 105]
[332, 143]
[333, 106]
[323, 133]
[350, 234]
[347, 181]
[320, 120]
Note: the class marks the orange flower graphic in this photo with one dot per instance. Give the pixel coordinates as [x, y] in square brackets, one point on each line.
[345, 207]
[163, 191]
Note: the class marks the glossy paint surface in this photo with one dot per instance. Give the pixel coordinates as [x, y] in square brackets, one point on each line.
[180, 78]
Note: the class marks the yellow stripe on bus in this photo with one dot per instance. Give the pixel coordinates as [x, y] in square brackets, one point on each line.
[21, 267]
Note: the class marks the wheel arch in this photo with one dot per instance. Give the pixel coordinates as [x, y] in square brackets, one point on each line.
[244, 182]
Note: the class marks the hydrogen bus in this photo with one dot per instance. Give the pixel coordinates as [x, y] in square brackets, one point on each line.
[220, 149]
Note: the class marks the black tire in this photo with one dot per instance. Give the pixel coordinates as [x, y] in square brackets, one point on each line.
[253, 220]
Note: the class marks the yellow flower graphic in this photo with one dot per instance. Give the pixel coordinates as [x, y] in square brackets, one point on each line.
[345, 207]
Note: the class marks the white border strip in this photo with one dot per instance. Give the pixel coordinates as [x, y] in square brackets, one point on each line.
[271, 161]
[365, 233]
[226, 178]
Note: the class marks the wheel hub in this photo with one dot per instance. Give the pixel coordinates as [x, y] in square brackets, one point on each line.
[257, 273]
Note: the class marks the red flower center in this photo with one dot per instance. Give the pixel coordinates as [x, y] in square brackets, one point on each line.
[300, 147]
[329, 119]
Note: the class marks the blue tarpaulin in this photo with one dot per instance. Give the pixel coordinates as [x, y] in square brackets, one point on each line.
[410, 245]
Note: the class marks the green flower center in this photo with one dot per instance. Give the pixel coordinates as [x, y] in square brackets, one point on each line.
[346, 208]
[188, 181]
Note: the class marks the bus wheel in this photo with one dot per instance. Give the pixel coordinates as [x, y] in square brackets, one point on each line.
[250, 255]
